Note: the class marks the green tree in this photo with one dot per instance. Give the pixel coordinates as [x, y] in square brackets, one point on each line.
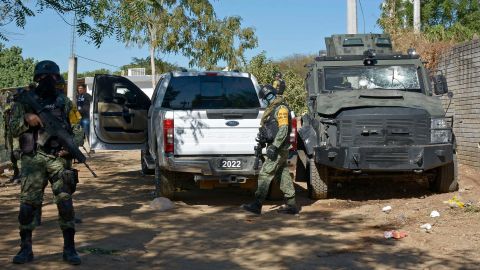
[94, 17]
[264, 70]
[91, 73]
[14, 69]
[189, 27]
[225, 40]
[442, 20]
[160, 66]
[296, 63]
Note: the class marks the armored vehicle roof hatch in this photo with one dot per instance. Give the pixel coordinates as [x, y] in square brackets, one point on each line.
[356, 44]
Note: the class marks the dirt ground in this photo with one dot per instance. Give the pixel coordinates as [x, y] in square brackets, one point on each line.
[207, 230]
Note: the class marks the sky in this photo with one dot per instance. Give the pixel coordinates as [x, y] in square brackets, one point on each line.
[283, 28]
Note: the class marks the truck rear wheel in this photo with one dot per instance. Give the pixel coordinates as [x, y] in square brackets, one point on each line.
[164, 182]
[318, 180]
[446, 177]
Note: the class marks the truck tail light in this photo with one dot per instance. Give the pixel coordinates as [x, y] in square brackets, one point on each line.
[168, 138]
[293, 135]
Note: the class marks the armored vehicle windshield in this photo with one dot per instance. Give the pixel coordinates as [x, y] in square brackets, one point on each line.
[395, 77]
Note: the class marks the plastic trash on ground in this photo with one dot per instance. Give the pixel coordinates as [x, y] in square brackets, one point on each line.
[387, 209]
[434, 214]
[394, 234]
[427, 227]
[162, 204]
[454, 202]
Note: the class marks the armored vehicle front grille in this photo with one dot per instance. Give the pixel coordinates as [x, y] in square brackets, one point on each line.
[383, 126]
[387, 157]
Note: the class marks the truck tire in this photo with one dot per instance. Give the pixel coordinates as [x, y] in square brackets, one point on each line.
[145, 169]
[318, 180]
[446, 177]
[164, 182]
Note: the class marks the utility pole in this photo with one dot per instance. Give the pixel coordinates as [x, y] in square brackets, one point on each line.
[351, 16]
[416, 16]
[72, 67]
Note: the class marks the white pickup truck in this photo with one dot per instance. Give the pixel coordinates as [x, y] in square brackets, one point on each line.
[198, 125]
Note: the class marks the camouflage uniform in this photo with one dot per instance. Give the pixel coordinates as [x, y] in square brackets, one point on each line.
[40, 167]
[42, 162]
[11, 143]
[278, 167]
[275, 131]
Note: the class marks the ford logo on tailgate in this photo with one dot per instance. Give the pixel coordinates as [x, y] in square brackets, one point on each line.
[232, 123]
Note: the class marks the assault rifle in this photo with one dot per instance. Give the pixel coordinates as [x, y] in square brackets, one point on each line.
[54, 128]
[258, 151]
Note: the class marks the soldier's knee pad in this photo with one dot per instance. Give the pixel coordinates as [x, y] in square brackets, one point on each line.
[65, 209]
[25, 216]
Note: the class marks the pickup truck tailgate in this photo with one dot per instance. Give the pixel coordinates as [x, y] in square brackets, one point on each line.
[198, 133]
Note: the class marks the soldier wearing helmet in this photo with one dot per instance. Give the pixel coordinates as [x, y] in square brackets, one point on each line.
[279, 83]
[44, 161]
[275, 128]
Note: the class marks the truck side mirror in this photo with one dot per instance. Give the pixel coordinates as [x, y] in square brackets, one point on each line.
[440, 85]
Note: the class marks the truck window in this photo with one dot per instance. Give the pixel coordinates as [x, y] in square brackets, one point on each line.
[405, 77]
[210, 92]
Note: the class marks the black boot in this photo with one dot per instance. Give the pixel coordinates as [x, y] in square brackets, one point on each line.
[25, 254]
[290, 209]
[69, 253]
[254, 207]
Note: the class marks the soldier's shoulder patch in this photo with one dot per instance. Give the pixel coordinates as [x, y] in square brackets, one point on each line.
[282, 116]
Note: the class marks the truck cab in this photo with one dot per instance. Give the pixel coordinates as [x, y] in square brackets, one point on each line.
[373, 112]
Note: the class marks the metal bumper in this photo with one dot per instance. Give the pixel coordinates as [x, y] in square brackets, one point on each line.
[385, 158]
[210, 165]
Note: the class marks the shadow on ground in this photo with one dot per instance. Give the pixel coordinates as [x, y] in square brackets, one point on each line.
[207, 230]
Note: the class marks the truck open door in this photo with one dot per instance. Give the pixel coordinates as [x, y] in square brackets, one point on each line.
[119, 114]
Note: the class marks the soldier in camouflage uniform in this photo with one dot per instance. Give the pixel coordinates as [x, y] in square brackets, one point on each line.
[74, 118]
[279, 83]
[11, 144]
[43, 162]
[275, 131]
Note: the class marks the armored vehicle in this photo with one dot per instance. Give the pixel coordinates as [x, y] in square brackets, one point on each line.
[374, 113]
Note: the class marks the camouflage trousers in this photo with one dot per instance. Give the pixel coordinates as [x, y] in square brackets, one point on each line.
[37, 170]
[272, 169]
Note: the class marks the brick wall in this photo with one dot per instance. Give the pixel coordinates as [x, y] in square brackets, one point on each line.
[461, 66]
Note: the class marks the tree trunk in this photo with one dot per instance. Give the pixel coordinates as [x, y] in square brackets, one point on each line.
[152, 63]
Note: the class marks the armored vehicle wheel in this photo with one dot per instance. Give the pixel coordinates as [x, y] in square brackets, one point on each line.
[145, 169]
[164, 182]
[446, 177]
[318, 180]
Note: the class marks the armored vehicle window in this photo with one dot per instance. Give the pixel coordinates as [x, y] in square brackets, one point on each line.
[210, 92]
[403, 77]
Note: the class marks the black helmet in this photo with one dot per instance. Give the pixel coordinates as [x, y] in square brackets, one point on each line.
[45, 67]
[266, 90]
[278, 74]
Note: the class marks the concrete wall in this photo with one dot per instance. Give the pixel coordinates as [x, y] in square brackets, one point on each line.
[461, 66]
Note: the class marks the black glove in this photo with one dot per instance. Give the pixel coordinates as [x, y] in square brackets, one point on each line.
[272, 152]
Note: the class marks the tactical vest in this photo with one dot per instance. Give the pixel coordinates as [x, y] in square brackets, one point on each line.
[269, 129]
[37, 137]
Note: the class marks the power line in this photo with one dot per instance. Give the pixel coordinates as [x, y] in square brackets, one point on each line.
[363, 15]
[63, 18]
[99, 62]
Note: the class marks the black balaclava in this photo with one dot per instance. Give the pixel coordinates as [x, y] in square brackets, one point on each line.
[47, 86]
